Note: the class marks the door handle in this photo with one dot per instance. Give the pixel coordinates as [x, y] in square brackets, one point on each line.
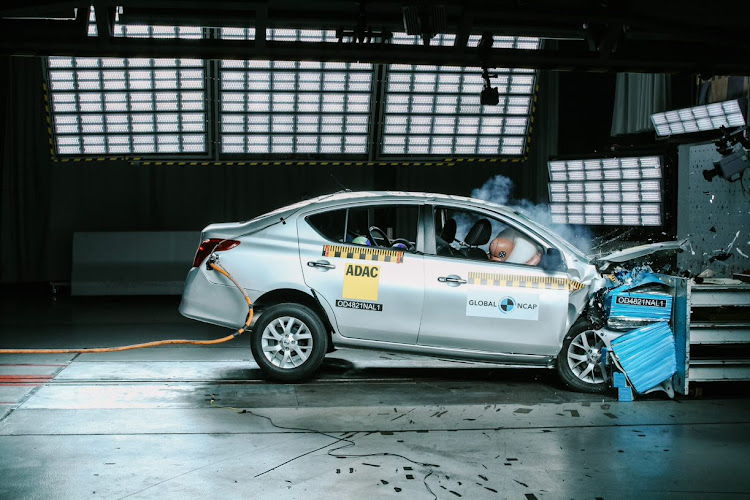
[452, 280]
[322, 264]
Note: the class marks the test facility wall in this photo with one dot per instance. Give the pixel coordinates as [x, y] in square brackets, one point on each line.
[714, 215]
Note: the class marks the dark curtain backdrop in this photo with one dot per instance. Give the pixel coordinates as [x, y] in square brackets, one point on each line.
[45, 202]
[637, 97]
[26, 180]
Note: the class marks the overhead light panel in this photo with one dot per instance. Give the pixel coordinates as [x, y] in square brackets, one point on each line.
[700, 118]
[606, 191]
[294, 107]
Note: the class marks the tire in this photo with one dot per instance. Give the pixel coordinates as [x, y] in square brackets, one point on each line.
[578, 362]
[299, 338]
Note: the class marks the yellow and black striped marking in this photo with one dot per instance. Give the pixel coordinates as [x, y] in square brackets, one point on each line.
[445, 162]
[363, 253]
[521, 281]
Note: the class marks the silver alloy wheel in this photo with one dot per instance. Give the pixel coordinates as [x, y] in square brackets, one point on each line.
[286, 342]
[584, 357]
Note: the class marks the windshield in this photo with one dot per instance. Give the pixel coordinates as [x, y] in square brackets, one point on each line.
[556, 237]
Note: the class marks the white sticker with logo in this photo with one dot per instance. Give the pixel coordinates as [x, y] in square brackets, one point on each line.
[504, 304]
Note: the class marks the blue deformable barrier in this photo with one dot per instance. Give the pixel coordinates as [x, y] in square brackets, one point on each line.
[647, 355]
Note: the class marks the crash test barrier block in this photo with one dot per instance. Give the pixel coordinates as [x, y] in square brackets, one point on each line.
[619, 380]
[605, 356]
[624, 394]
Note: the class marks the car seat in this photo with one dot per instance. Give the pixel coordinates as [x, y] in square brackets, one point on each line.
[446, 237]
[478, 235]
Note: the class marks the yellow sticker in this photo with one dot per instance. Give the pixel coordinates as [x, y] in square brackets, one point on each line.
[361, 282]
[523, 281]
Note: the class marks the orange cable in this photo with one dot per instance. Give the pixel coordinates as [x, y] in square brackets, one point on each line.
[155, 343]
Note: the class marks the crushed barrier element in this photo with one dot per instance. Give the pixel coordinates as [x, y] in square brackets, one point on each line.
[637, 298]
[647, 355]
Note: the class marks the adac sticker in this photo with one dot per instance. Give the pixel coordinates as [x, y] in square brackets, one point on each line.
[361, 282]
[514, 305]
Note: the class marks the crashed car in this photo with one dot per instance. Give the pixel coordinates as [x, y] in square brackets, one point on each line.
[416, 273]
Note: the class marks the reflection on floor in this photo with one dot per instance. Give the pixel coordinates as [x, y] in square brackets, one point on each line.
[198, 421]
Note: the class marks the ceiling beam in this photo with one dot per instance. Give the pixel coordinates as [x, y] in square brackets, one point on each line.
[570, 56]
[630, 35]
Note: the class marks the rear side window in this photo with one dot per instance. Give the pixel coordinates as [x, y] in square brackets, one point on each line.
[329, 225]
[384, 226]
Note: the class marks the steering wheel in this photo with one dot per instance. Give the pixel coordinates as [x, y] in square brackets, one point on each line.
[409, 245]
[382, 236]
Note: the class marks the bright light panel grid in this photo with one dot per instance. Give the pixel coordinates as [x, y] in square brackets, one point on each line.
[290, 107]
[435, 110]
[610, 191]
[114, 105]
[699, 118]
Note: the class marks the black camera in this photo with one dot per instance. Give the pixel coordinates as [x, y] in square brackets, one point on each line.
[729, 167]
[489, 96]
[734, 156]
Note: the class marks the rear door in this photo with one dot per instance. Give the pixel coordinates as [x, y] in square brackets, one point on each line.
[375, 289]
[474, 303]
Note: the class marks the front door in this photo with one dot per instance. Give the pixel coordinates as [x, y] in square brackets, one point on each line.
[474, 303]
[374, 288]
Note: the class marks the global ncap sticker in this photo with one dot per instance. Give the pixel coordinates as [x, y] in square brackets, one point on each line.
[487, 304]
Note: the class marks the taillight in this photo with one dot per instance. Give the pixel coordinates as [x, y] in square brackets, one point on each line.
[212, 245]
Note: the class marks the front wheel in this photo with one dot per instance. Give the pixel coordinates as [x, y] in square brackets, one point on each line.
[579, 363]
[289, 342]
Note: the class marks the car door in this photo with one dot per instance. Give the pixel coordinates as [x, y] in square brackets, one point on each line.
[375, 292]
[490, 306]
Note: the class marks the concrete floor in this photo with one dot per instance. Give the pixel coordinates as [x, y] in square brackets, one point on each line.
[184, 422]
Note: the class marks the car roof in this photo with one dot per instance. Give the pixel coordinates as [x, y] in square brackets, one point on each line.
[391, 196]
[346, 197]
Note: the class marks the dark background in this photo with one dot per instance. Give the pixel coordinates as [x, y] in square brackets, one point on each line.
[44, 201]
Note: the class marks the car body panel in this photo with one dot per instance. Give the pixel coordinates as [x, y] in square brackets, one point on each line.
[471, 315]
[513, 360]
[635, 252]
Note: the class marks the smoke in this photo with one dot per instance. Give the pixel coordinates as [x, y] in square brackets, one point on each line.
[499, 189]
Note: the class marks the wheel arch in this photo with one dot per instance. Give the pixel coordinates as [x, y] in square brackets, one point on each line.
[573, 315]
[281, 295]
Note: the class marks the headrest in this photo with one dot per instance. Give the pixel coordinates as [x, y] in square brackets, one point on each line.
[448, 233]
[500, 249]
[479, 234]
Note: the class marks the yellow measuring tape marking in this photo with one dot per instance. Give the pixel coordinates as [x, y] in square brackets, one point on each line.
[520, 281]
[363, 253]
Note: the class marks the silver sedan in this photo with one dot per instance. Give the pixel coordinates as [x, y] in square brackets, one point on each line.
[414, 273]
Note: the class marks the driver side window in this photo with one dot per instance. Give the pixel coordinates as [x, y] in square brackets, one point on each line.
[464, 234]
[384, 226]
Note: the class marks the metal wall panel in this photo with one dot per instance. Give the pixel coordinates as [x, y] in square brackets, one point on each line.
[714, 215]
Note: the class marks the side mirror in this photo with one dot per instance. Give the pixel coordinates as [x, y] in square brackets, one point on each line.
[553, 260]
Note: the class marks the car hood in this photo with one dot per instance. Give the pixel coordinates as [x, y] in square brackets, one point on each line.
[635, 252]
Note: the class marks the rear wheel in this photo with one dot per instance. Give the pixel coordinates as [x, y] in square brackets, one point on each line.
[579, 363]
[289, 342]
